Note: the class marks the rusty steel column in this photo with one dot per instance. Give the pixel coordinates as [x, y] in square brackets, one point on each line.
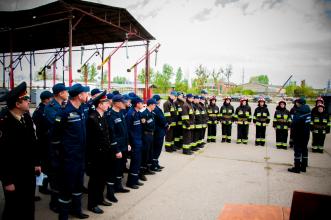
[63, 63]
[30, 62]
[4, 71]
[109, 72]
[102, 56]
[11, 74]
[54, 71]
[146, 92]
[70, 51]
[135, 79]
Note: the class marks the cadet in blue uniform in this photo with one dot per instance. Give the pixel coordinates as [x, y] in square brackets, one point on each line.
[119, 147]
[148, 136]
[98, 153]
[161, 126]
[301, 118]
[60, 92]
[135, 129]
[70, 136]
[40, 122]
[19, 160]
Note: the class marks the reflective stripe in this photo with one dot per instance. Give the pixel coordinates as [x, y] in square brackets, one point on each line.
[77, 194]
[239, 141]
[110, 184]
[185, 117]
[74, 120]
[186, 146]
[245, 141]
[64, 201]
[167, 114]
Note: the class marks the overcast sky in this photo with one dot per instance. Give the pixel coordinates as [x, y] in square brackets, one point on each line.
[273, 37]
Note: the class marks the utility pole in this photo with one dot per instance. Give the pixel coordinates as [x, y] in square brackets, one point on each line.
[243, 77]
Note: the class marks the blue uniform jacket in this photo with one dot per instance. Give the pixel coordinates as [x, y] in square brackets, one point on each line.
[135, 129]
[161, 123]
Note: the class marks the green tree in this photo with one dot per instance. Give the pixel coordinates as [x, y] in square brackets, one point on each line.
[92, 73]
[120, 79]
[180, 83]
[216, 76]
[162, 80]
[263, 79]
[202, 76]
[141, 76]
[305, 91]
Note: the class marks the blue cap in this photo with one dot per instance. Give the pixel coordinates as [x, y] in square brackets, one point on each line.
[46, 95]
[202, 97]
[189, 95]
[151, 102]
[59, 87]
[95, 91]
[156, 97]
[116, 92]
[118, 98]
[110, 96]
[76, 89]
[136, 100]
[196, 97]
[173, 93]
[132, 94]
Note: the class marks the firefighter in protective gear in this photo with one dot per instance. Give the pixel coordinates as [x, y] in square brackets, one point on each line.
[261, 119]
[213, 119]
[204, 116]
[178, 131]
[301, 119]
[281, 123]
[170, 113]
[226, 116]
[243, 118]
[188, 119]
[197, 123]
[320, 126]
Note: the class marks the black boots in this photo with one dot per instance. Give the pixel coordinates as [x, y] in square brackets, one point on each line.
[77, 207]
[119, 186]
[304, 164]
[296, 168]
[187, 152]
[111, 192]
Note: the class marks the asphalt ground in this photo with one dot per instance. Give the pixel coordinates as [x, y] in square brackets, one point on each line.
[198, 186]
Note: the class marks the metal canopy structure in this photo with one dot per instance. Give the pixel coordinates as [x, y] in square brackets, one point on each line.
[66, 24]
[47, 26]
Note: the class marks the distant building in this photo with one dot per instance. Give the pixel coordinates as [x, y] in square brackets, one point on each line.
[262, 89]
[221, 87]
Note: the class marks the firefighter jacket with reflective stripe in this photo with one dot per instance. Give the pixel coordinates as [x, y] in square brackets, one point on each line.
[227, 114]
[188, 117]
[282, 119]
[179, 108]
[213, 114]
[243, 115]
[320, 122]
[261, 116]
[170, 112]
[204, 114]
[198, 117]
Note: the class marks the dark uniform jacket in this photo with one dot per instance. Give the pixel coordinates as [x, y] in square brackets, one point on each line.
[282, 118]
[161, 123]
[261, 116]
[198, 117]
[149, 122]
[204, 114]
[213, 112]
[18, 150]
[226, 114]
[188, 116]
[170, 112]
[135, 129]
[320, 122]
[118, 131]
[179, 108]
[301, 119]
[243, 114]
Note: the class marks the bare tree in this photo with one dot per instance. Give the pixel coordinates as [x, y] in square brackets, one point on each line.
[216, 75]
[227, 74]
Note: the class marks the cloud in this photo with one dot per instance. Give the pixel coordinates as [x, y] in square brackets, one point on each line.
[138, 4]
[223, 3]
[202, 15]
[270, 4]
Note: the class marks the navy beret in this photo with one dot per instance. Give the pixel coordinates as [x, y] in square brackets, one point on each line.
[156, 97]
[173, 93]
[118, 98]
[116, 92]
[136, 100]
[189, 95]
[95, 91]
[196, 97]
[110, 96]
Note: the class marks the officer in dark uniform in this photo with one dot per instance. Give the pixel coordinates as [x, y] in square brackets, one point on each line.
[282, 122]
[213, 112]
[98, 153]
[243, 118]
[301, 119]
[60, 92]
[161, 125]
[227, 116]
[69, 133]
[19, 162]
[197, 124]
[135, 129]
[119, 146]
[188, 124]
[127, 104]
[320, 126]
[41, 124]
[261, 119]
[170, 113]
[147, 117]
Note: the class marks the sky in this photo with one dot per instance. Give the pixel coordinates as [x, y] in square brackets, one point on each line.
[273, 37]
